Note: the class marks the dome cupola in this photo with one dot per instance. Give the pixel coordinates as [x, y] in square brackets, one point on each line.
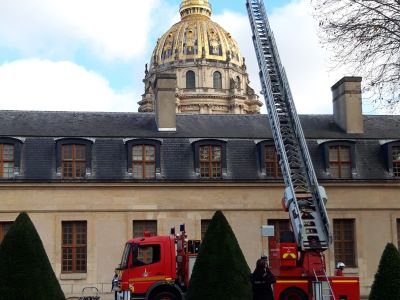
[210, 70]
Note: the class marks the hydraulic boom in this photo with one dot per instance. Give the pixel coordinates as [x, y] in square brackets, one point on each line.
[304, 198]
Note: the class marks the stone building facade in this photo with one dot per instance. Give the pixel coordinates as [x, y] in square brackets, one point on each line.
[91, 181]
[102, 178]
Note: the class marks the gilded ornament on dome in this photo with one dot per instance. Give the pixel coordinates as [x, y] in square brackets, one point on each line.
[169, 42]
[190, 39]
[213, 40]
[168, 45]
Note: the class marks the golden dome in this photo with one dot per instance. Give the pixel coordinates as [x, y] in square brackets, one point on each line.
[195, 37]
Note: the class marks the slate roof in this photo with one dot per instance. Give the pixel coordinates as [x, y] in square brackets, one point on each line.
[241, 132]
[109, 124]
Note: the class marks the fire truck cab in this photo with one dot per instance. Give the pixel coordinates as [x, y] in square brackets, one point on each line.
[156, 267]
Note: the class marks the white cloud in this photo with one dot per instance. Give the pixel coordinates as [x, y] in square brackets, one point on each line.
[110, 28]
[46, 85]
[300, 53]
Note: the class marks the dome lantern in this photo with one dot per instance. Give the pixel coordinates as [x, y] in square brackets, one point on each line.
[195, 8]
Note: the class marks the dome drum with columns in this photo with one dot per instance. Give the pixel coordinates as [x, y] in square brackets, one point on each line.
[210, 70]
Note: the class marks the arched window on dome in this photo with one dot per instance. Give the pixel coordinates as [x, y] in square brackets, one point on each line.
[190, 80]
[217, 80]
[238, 83]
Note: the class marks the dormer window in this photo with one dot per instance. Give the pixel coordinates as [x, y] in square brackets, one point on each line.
[272, 167]
[392, 157]
[339, 157]
[210, 161]
[340, 161]
[143, 158]
[73, 161]
[210, 158]
[10, 152]
[268, 159]
[6, 161]
[144, 161]
[74, 158]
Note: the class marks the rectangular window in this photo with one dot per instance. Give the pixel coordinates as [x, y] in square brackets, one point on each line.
[73, 161]
[340, 161]
[396, 161]
[144, 161]
[74, 246]
[204, 226]
[344, 241]
[280, 226]
[139, 227]
[210, 161]
[272, 167]
[4, 228]
[6, 161]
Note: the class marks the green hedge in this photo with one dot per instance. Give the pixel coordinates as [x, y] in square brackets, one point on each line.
[387, 280]
[25, 270]
[220, 271]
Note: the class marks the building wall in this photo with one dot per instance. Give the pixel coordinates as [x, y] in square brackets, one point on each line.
[109, 210]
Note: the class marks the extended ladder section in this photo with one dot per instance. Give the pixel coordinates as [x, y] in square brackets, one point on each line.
[304, 198]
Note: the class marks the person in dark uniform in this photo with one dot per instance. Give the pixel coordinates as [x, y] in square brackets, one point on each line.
[262, 280]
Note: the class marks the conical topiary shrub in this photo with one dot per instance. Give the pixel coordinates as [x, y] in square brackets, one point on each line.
[387, 280]
[25, 270]
[220, 271]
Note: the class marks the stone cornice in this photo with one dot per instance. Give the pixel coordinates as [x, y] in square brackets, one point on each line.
[208, 96]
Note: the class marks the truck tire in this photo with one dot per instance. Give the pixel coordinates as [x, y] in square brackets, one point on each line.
[293, 294]
[165, 296]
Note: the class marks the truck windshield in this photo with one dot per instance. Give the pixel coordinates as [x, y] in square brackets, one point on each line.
[125, 257]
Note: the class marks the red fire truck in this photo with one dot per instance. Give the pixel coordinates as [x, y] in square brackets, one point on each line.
[156, 267]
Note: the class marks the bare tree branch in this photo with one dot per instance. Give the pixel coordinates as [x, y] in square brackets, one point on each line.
[365, 36]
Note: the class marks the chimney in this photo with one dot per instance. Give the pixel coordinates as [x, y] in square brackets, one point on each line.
[347, 108]
[165, 101]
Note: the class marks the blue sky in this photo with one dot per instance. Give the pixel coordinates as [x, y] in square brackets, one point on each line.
[90, 55]
[120, 73]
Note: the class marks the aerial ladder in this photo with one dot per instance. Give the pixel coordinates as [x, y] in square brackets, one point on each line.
[304, 199]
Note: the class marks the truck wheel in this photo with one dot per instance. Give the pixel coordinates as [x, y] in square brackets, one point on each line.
[293, 294]
[165, 296]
